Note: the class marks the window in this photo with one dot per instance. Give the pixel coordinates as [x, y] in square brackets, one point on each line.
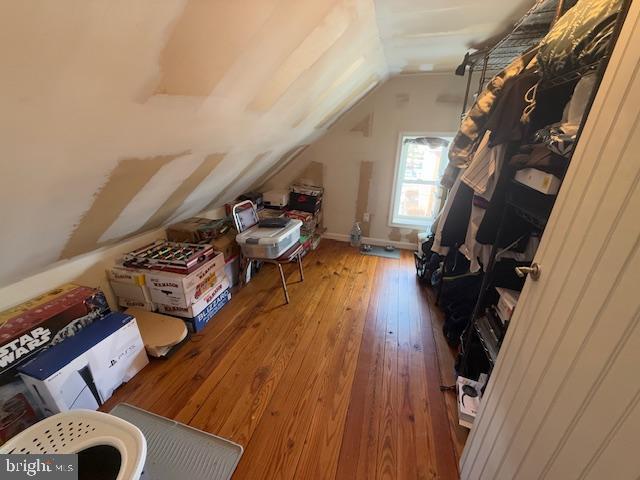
[419, 167]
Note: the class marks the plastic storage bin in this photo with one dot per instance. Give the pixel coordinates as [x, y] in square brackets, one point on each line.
[269, 243]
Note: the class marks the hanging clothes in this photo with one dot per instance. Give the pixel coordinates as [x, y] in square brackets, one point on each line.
[541, 158]
[579, 38]
[474, 123]
[561, 137]
[505, 122]
[516, 229]
[439, 246]
[481, 175]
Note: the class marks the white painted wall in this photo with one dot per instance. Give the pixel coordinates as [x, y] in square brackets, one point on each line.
[407, 103]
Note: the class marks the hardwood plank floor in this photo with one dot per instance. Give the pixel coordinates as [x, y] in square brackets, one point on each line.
[342, 383]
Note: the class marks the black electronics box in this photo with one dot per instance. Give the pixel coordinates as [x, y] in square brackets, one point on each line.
[306, 203]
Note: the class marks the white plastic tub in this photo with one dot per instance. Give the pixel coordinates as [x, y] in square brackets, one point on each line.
[269, 243]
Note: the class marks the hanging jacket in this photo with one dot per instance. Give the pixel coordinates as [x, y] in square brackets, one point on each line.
[474, 123]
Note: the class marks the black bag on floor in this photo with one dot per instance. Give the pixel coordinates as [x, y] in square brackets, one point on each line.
[453, 327]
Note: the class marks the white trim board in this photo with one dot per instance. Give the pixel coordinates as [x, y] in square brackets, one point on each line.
[380, 242]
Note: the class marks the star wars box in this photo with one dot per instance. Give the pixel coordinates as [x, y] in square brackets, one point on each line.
[29, 328]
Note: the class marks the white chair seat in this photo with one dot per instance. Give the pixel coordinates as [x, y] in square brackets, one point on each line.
[77, 430]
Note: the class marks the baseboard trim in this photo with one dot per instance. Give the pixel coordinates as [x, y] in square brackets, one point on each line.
[381, 242]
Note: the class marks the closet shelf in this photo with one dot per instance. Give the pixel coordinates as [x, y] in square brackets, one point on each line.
[571, 76]
[526, 33]
[490, 347]
[529, 204]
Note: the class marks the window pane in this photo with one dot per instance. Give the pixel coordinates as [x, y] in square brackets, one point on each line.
[418, 200]
[422, 162]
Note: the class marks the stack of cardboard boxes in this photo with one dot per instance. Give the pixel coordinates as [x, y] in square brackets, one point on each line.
[305, 203]
[37, 339]
[195, 293]
[301, 202]
[130, 287]
[195, 297]
[218, 233]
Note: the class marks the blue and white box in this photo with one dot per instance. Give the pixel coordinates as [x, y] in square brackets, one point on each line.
[84, 370]
[198, 322]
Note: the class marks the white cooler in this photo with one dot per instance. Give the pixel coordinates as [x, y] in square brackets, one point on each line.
[269, 243]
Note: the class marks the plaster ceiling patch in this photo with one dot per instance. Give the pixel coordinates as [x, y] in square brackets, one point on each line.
[339, 82]
[273, 43]
[323, 37]
[415, 32]
[348, 102]
[125, 181]
[284, 160]
[222, 196]
[146, 202]
[205, 42]
[395, 235]
[180, 195]
[364, 125]
[313, 174]
[362, 197]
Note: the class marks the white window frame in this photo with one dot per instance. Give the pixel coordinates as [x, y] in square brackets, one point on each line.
[412, 222]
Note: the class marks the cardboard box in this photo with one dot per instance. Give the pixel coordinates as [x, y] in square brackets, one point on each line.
[226, 244]
[305, 189]
[29, 328]
[46, 320]
[197, 323]
[181, 290]
[469, 398]
[130, 276]
[188, 230]
[128, 303]
[276, 198]
[305, 203]
[538, 180]
[506, 303]
[137, 293]
[18, 409]
[232, 270]
[201, 304]
[255, 197]
[84, 370]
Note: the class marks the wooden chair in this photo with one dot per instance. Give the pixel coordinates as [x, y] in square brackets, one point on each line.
[293, 254]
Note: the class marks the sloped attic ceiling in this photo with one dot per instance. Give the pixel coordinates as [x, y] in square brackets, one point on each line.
[120, 116]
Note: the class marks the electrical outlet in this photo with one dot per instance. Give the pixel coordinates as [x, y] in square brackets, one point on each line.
[366, 217]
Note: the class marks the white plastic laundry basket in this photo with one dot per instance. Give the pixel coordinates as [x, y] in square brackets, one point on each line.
[77, 430]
